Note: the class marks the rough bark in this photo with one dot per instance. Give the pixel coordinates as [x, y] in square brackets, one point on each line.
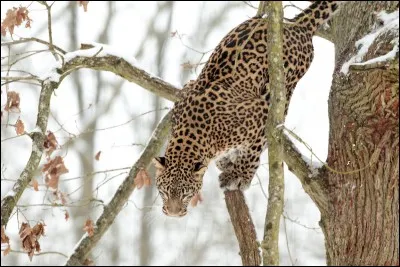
[361, 223]
[244, 227]
[276, 116]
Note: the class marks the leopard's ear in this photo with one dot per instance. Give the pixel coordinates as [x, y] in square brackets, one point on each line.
[159, 163]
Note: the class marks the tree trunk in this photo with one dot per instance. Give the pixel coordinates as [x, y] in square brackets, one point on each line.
[361, 224]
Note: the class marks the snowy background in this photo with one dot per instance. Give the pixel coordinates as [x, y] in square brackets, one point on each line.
[141, 234]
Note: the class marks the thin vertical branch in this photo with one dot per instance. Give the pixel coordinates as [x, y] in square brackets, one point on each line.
[51, 47]
[276, 117]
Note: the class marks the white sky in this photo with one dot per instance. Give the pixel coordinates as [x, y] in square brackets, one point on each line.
[208, 224]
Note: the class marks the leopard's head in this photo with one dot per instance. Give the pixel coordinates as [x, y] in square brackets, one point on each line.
[178, 184]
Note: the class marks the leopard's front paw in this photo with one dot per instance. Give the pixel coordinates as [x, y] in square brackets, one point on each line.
[231, 181]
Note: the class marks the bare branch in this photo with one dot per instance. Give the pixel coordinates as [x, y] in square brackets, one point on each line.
[122, 68]
[111, 210]
[38, 136]
[312, 185]
[244, 227]
[276, 116]
[49, 30]
[33, 39]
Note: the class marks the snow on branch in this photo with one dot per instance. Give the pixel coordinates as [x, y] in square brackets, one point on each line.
[390, 23]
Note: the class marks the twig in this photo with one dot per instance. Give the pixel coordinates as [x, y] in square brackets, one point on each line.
[276, 116]
[33, 39]
[40, 253]
[287, 241]
[51, 46]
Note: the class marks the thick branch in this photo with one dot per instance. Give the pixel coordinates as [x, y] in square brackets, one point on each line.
[276, 116]
[11, 199]
[244, 227]
[111, 211]
[122, 68]
[312, 184]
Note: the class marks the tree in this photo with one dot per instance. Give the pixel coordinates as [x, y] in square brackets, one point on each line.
[356, 191]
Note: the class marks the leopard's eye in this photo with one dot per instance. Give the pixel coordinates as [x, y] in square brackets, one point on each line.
[186, 195]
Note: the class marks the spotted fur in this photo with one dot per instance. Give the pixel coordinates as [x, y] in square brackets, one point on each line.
[227, 107]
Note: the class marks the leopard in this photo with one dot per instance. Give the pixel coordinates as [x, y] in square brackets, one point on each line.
[223, 112]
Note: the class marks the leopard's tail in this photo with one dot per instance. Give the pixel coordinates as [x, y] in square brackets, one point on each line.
[316, 14]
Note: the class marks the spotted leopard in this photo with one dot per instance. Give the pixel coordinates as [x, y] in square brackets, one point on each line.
[227, 106]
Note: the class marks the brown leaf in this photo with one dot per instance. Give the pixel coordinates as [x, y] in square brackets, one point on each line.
[7, 250]
[84, 4]
[25, 230]
[97, 157]
[89, 227]
[13, 102]
[50, 144]
[142, 178]
[38, 230]
[66, 215]
[19, 127]
[5, 240]
[15, 17]
[88, 262]
[35, 185]
[4, 237]
[52, 170]
[30, 237]
[196, 199]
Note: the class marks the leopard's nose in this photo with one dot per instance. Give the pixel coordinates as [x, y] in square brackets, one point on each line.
[174, 208]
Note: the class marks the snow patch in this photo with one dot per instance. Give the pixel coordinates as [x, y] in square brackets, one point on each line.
[51, 74]
[390, 24]
[10, 193]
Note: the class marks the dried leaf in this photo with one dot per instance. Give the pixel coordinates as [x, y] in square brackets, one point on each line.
[142, 178]
[30, 237]
[35, 185]
[4, 237]
[66, 215]
[52, 170]
[196, 199]
[13, 102]
[88, 262]
[19, 127]
[97, 157]
[84, 4]
[15, 17]
[50, 144]
[38, 230]
[5, 240]
[7, 250]
[89, 227]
